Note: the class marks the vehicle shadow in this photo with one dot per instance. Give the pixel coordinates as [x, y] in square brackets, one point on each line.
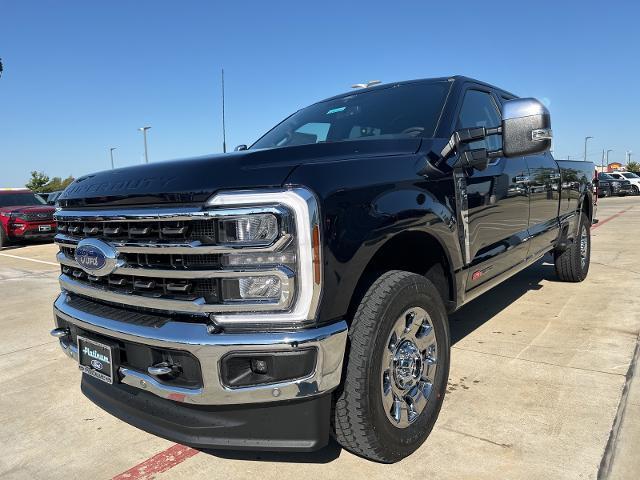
[484, 308]
[23, 244]
[462, 323]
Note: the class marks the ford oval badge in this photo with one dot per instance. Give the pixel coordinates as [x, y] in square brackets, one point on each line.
[96, 257]
[96, 364]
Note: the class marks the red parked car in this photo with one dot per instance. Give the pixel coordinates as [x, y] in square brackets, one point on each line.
[24, 215]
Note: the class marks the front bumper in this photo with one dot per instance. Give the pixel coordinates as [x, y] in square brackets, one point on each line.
[293, 425]
[31, 231]
[209, 348]
[623, 190]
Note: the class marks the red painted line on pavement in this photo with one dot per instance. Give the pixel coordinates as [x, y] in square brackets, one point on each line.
[159, 463]
[602, 222]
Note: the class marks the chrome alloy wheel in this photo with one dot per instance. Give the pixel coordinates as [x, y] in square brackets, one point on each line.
[409, 367]
[584, 246]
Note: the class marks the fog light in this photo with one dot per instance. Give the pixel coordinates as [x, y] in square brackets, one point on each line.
[259, 366]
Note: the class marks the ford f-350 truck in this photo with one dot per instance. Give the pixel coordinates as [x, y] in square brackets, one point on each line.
[299, 288]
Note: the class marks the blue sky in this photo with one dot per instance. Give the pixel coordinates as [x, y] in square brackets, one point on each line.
[82, 76]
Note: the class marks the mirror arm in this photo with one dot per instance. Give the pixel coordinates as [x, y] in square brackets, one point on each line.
[477, 158]
[467, 135]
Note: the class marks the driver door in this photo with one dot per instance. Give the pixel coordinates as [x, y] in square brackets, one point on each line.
[497, 197]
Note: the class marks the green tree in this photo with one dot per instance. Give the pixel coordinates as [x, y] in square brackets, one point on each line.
[57, 183]
[37, 181]
[633, 167]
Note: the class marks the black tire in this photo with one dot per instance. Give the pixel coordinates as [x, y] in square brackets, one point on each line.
[4, 239]
[361, 422]
[569, 263]
[636, 190]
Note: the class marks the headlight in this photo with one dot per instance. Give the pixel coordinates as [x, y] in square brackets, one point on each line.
[249, 229]
[274, 268]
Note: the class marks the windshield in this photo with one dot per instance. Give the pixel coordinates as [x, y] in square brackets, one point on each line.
[20, 199]
[605, 176]
[401, 111]
[630, 175]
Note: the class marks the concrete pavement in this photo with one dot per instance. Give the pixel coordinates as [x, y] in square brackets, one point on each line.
[541, 385]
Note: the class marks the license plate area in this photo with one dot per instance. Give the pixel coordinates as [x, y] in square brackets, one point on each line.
[98, 359]
[44, 228]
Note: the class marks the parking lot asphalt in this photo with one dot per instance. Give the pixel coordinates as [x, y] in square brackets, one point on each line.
[542, 385]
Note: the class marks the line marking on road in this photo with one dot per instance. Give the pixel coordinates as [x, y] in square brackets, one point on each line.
[29, 259]
[159, 463]
[616, 215]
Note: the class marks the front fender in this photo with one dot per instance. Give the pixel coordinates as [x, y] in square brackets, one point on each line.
[366, 205]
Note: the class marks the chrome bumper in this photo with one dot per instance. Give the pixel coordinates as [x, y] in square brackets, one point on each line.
[209, 348]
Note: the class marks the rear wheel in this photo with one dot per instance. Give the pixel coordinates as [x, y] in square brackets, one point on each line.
[636, 190]
[572, 264]
[397, 368]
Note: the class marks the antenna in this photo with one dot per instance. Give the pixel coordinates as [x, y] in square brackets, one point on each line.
[224, 132]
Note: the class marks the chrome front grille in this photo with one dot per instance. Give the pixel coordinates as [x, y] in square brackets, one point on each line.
[203, 231]
[151, 287]
[168, 259]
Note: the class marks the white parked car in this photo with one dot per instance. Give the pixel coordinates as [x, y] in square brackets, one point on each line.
[632, 177]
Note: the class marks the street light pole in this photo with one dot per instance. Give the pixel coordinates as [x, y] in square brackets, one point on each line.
[224, 128]
[608, 157]
[585, 147]
[111, 152]
[144, 134]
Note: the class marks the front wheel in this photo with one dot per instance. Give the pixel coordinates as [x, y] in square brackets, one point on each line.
[397, 368]
[636, 190]
[572, 264]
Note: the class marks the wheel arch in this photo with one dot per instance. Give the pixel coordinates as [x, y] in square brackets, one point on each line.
[412, 251]
[586, 205]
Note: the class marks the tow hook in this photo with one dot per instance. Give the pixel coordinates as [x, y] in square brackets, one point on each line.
[60, 332]
[163, 368]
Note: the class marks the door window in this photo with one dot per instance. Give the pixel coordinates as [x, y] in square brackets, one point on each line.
[479, 110]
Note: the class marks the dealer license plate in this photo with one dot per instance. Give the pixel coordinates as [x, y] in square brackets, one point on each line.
[96, 359]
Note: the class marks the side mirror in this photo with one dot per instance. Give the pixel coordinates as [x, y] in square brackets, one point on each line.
[526, 127]
[239, 148]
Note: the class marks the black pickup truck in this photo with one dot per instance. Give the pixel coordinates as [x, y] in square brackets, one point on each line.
[299, 288]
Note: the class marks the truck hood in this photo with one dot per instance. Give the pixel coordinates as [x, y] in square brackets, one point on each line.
[29, 209]
[196, 179]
